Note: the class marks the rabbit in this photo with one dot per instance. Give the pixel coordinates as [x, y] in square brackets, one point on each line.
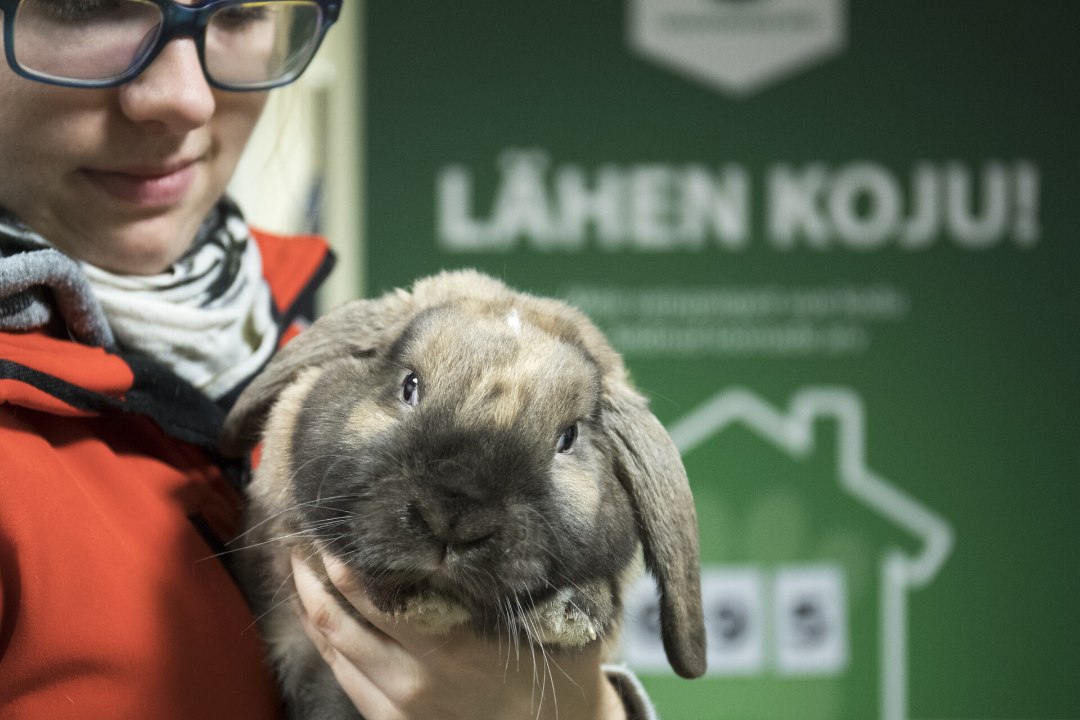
[475, 455]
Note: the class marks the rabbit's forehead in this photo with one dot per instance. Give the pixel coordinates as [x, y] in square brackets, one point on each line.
[468, 343]
[502, 363]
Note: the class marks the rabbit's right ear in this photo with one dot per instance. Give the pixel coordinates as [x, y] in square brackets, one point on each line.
[650, 468]
[361, 328]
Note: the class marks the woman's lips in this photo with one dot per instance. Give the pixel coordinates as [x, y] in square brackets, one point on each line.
[146, 187]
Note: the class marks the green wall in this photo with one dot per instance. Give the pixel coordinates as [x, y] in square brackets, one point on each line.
[837, 244]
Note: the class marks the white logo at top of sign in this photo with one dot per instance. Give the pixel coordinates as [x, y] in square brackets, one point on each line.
[737, 46]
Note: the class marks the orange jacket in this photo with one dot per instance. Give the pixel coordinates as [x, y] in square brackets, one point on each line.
[112, 602]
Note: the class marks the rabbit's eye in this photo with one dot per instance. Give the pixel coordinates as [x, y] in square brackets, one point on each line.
[410, 389]
[566, 440]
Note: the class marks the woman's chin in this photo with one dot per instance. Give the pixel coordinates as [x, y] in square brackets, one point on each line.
[146, 247]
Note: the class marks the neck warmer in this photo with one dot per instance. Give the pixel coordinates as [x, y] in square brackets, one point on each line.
[208, 317]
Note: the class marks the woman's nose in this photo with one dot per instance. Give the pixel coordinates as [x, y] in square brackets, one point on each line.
[172, 90]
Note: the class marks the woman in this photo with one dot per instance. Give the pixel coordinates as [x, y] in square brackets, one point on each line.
[134, 303]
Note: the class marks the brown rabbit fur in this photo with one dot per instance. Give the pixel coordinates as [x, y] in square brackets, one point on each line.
[475, 455]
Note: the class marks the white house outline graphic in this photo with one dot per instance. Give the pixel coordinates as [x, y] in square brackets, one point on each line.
[793, 433]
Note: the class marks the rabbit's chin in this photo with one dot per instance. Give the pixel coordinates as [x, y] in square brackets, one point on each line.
[451, 593]
[449, 582]
[559, 620]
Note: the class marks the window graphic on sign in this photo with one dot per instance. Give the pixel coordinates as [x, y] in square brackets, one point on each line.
[788, 622]
[735, 616]
[810, 621]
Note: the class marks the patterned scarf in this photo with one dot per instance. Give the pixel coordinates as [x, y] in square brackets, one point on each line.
[209, 317]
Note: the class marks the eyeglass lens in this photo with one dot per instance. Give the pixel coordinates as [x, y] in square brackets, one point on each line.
[246, 44]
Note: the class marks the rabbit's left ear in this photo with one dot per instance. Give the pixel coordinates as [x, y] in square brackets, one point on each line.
[649, 467]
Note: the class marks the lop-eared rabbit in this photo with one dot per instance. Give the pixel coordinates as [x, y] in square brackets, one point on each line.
[475, 455]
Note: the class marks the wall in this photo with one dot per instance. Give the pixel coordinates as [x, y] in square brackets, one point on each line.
[837, 244]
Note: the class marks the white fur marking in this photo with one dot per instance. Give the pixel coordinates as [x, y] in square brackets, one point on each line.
[563, 623]
[513, 319]
[434, 614]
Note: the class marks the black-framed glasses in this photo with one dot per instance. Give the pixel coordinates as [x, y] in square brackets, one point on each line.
[242, 45]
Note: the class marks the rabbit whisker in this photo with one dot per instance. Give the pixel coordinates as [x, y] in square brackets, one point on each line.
[291, 508]
[271, 609]
[279, 603]
[531, 635]
[326, 474]
[306, 532]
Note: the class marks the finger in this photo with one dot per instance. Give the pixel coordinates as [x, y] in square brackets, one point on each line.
[356, 640]
[367, 696]
[460, 644]
[394, 628]
[348, 584]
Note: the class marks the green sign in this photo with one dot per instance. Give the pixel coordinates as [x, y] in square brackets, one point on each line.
[837, 244]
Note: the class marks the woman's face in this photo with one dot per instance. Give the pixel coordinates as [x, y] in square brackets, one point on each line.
[122, 177]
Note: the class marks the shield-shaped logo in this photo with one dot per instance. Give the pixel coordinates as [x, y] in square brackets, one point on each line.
[737, 46]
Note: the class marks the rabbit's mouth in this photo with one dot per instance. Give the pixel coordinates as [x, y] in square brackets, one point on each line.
[478, 589]
[465, 570]
[481, 573]
[545, 613]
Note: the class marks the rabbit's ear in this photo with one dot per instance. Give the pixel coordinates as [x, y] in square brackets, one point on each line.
[360, 329]
[650, 468]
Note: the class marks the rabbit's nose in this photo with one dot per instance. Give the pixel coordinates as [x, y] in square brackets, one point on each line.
[455, 520]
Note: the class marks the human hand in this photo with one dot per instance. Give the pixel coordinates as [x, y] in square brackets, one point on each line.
[392, 671]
